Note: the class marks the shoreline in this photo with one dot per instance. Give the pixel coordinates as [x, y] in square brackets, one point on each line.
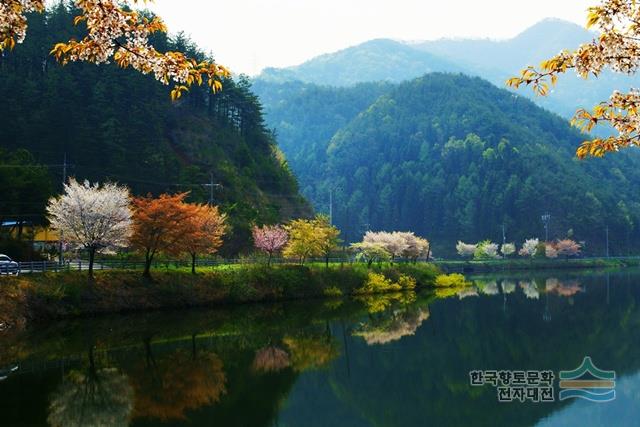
[488, 266]
[37, 298]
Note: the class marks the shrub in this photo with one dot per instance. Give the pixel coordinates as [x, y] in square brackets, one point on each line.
[377, 283]
[406, 282]
[451, 280]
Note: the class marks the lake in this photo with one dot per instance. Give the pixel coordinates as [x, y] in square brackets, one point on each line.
[390, 360]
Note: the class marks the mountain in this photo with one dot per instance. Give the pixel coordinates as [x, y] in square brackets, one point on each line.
[538, 42]
[306, 116]
[114, 124]
[493, 60]
[375, 60]
[453, 157]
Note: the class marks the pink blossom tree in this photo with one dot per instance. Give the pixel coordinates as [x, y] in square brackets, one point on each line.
[270, 239]
[567, 248]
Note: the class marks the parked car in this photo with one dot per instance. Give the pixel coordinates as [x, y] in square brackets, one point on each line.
[8, 266]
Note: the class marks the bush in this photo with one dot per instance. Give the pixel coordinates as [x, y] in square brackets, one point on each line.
[451, 280]
[406, 282]
[377, 283]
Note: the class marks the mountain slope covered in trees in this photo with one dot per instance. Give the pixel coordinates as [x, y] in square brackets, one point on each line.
[453, 157]
[115, 124]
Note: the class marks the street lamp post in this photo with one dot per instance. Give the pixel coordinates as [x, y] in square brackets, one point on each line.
[546, 218]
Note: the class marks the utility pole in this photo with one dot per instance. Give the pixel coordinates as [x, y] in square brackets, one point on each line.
[607, 235]
[331, 206]
[546, 218]
[504, 235]
[211, 186]
[64, 181]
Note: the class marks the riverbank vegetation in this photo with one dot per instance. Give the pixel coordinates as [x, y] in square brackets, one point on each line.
[40, 297]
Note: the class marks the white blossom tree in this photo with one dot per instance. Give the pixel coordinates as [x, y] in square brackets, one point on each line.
[415, 246]
[465, 249]
[370, 252]
[394, 243]
[490, 250]
[94, 217]
[529, 248]
[508, 249]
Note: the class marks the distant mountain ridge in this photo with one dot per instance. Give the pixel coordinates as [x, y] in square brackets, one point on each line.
[375, 60]
[494, 60]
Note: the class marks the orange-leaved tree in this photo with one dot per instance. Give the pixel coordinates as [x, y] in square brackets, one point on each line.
[617, 47]
[203, 231]
[115, 33]
[159, 225]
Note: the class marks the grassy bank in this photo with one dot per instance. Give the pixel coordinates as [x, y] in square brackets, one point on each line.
[534, 264]
[36, 298]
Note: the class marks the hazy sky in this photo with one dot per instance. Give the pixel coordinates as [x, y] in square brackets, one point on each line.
[248, 35]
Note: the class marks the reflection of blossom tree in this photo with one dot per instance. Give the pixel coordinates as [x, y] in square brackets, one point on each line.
[311, 352]
[508, 287]
[393, 327]
[95, 397]
[165, 389]
[530, 289]
[563, 289]
[489, 288]
[271, 359]
[467, 292]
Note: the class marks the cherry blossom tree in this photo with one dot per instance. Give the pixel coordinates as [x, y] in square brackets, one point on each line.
[95, 217]
[550, 251]
[465, 249]
[568, 248]
[270, 239]
[617, 48]
[416, 246]
[529, 248]
[508, 249]
[487, 250]
[115, 32]
[394, 243]
[370, 252]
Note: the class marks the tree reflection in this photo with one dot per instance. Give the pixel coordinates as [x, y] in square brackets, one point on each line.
[167, 387]
[392, 327]
[92, 397]
[563, 289]
[378, 303]
[270, 359]
[530, 289]
[311, 352]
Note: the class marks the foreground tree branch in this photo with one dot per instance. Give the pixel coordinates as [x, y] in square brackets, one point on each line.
[616, 48]
[114, 33]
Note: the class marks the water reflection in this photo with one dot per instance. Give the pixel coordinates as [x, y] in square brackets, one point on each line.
[92, 396]
[396, 359]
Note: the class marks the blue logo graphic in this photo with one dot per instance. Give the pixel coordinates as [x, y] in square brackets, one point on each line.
[588, 382]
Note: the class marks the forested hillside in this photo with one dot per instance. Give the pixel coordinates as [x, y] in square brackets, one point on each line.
[118, 125]
[453, 157]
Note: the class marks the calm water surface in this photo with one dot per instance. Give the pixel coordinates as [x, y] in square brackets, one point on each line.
[395, 360]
